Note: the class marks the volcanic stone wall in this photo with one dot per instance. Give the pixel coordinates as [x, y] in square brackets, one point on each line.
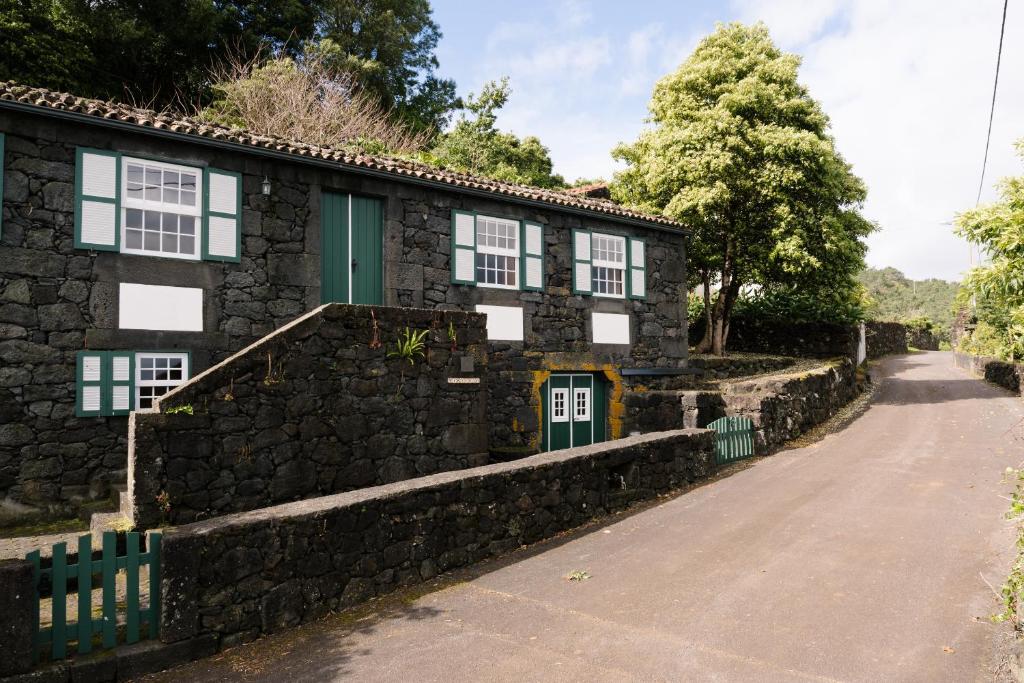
[885, 338]
[1007, 375]
[242, 576]
[322, 405]
[804, 340]
[783, 407]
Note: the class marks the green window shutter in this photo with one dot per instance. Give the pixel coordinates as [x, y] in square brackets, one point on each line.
[463, 257]
[636, 274]
[1, 184]
[97, 199]
[582, 282]
[90, 379]
[222, 215]
[532, 252]
[122, 382]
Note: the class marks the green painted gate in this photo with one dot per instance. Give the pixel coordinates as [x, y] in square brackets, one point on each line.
[734, 438]
[351, 249]
[55, 580]
[574, 411]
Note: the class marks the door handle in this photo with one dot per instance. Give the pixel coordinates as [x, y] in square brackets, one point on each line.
[354, 264]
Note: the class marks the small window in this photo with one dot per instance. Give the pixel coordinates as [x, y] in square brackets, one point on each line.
[581, 405]
[156, 374]
[608, 265]
[161, 209]
[559, 409]
[497, 252]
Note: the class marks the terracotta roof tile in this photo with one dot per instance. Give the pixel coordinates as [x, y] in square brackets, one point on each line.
[187, 126]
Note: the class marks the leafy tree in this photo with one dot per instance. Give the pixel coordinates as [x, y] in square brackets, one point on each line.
[475, 145]
[389, 45]
[998, 286]
[161, 52]
[740, 153]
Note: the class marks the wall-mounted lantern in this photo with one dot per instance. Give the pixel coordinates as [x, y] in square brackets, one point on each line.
[266, 186]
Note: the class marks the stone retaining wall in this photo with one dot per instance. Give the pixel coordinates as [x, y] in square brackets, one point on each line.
[783, 407]
[1004, 374]
[885, 338]
[924, 340]
[803, 340]
[244, 575]
[315, 408]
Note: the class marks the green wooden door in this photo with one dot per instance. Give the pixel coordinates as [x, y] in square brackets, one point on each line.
[574, 411]
[367, 251]
[352, 249]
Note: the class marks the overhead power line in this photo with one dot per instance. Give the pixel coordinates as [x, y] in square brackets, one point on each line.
[992, 109]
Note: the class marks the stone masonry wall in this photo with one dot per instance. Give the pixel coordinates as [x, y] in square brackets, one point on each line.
[884, 338]
[783, 407]
[56, 300]
[804, 340]
[1007, 375]
[242, 576]
[315, 408]
[922, 339]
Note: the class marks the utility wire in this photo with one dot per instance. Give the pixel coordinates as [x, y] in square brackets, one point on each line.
[992, 110]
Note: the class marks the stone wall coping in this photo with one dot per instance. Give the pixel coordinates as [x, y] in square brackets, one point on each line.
[770, 382]
[313, 506]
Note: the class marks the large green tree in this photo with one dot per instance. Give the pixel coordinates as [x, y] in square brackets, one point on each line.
[389, 45]
[740, 153]
[997, 287]
[160, 52]
[475, 145]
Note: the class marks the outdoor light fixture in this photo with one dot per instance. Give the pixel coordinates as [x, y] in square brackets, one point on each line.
[266, 186]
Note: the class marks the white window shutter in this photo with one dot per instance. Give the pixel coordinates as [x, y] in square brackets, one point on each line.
[582, 282]
[122, 382]
[97, 199]
[222, 217]
[463, 252]
[89, 381]
[637, 269]
[533, 256]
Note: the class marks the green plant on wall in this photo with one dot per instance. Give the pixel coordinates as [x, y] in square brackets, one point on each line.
[453, 336]
[411, 345]
[1013, 587]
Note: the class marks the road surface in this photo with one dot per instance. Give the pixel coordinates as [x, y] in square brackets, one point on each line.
[858, 558]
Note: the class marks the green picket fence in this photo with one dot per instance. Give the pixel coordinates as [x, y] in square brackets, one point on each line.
[734, 438]
[85, 570]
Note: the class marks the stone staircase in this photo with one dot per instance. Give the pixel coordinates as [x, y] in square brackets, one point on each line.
[117, 520]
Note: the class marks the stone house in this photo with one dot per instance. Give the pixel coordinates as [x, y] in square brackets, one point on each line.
[138, 249]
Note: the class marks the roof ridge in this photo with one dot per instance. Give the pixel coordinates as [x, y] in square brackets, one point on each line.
[175, 122]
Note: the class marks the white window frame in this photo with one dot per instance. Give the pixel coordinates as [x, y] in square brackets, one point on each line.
[186, 372]
[508, 252]
[563, 395]
[596, 262]
[161, 207]
[578, 416]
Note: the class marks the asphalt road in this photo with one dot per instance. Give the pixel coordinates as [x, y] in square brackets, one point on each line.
[858, 558]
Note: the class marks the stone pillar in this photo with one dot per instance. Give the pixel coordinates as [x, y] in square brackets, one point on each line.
[16, 599]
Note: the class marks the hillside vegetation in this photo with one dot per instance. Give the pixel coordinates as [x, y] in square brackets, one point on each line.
[895, 297]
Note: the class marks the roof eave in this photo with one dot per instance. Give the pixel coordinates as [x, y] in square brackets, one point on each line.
[329, 164]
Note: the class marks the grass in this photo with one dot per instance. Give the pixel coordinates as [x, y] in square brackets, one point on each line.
[57, 526]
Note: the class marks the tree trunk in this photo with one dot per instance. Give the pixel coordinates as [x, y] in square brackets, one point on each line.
[726, 299]
[705, 342]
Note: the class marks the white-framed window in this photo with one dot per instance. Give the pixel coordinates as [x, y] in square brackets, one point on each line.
[162, 208]
[559, 407]
[156, 374]
[581, 405]
[608, 265]
[497, 252]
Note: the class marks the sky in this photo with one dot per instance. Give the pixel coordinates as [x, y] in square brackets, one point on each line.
[907, 84]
